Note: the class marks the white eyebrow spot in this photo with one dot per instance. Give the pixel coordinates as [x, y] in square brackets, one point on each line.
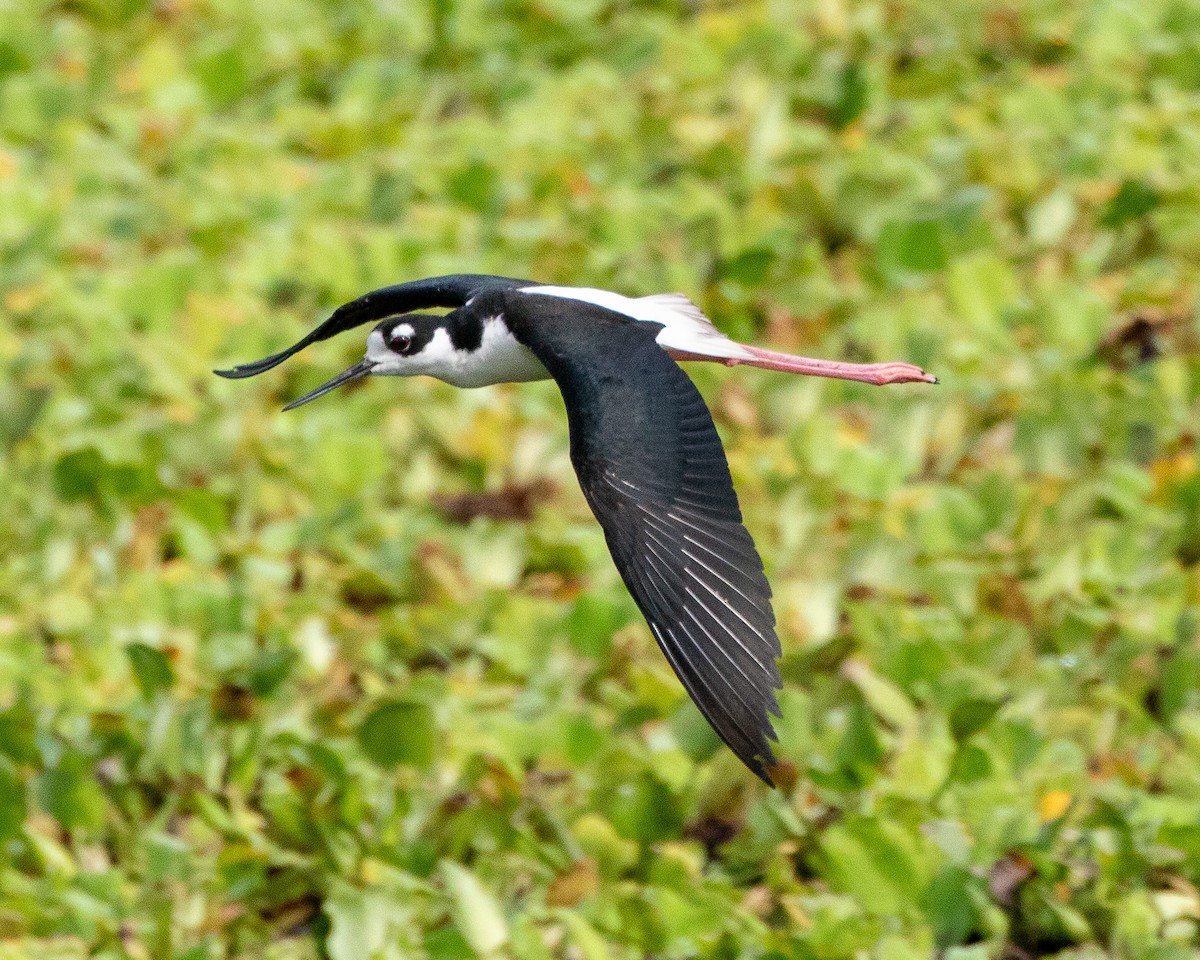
[401, 330]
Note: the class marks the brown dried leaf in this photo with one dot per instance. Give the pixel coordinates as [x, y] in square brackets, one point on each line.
[513, 501]
[1007, 875]
[574, 885]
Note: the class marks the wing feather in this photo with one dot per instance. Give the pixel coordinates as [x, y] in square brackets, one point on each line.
[653, 470]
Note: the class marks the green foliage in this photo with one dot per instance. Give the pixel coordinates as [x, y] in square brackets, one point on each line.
[359, 681]
[398, 733]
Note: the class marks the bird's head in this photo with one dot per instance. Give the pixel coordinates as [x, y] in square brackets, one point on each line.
[401, 346]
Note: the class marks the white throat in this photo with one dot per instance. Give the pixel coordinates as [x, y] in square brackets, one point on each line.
[499, 358]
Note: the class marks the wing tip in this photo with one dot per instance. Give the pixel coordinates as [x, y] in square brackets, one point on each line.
[757, 755]
[763, 764]
[255, 367]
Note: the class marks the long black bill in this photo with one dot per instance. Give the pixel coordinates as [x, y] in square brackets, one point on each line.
[361, 369]
[449, 291]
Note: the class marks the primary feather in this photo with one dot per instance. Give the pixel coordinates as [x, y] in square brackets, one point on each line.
[653, 470]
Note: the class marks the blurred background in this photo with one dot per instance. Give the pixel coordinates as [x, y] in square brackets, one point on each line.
[360, 681]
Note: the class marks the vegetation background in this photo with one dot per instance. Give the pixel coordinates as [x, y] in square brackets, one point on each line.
[360, 681]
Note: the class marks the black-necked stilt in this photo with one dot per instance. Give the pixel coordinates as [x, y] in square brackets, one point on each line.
[643, 445]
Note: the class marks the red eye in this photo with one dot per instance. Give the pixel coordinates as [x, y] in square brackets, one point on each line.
[400, 343]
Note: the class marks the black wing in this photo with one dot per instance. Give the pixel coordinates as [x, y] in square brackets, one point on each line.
[449, 291]
[653, 470]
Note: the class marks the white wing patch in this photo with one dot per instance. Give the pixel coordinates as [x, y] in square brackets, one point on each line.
[685, 327]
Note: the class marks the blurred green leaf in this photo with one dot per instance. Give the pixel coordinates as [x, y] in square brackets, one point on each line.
[698, 740]
[474, 186]
[18, 732]
[646, 810]
[12, 802]
[1132, 201]
[367, 923]
[223, 73]
[77, 475]
[476, 913]
[86, 473]
[599, 839]
[972, 714]
[593, 620]
[971, 764]
[852, 96]
[873, 860]
[915, 245]
[72, 797]
[585, 938]
[151, 668]
[750, 267]
[947, 901]
[399, 733]
[269, 669]
[859, 751]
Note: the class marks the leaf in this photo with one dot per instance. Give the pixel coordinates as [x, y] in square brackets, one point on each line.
[947, 903]
[86, 474]
[1132, 201]
[970, 715]
[474, 186]
[79, 474]
[981, 286]
[1179, 678]
[875, 861]
[914, 245]
[399, 733]
[18, 733]
[648, 812]
[593, 620]
[586, 939]
[223, 73]
[600, 841]
[12, 802]
[151, 669]
[693, 733]
[1051, 218]
[885, 698]
[270, 668]
[750, 267]
[859, 752]
[852, 96]
[971, 764]
[72, 798]
[476, 912]
[371, 924]
[573, 885]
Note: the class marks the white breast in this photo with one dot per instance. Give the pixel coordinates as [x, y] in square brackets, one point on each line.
[684, 325]
[499, 359]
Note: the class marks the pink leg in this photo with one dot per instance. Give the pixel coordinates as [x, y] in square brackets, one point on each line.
[876, 373]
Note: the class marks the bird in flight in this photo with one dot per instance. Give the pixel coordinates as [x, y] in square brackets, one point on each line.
[643, 445]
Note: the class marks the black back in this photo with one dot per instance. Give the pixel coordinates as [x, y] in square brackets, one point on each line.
[653, 470]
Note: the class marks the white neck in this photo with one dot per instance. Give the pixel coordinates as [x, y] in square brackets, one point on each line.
[499, 358]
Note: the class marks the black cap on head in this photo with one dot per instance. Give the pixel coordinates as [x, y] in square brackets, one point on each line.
[449, 291]
[409, 333]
